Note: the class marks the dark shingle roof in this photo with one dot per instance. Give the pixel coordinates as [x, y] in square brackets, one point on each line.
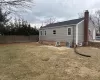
[74, 21]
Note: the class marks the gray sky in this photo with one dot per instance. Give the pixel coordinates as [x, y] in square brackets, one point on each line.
[60, 9]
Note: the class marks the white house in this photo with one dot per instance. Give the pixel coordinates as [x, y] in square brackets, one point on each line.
[73, 31]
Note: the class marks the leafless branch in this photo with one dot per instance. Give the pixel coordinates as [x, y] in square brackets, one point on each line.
[15, 5]
[50, 21]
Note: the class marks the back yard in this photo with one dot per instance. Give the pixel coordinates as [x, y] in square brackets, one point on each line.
[32, 61]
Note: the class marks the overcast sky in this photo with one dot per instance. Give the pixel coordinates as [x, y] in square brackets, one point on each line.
[60, 9]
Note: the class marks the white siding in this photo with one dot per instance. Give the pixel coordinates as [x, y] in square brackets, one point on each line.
[61, 34]
[41, 37]
[81, 32]
[92, 35]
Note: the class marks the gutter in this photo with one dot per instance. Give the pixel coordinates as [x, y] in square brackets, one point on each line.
[57, 26]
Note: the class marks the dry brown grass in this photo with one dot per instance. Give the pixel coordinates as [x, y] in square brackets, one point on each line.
[32, 61]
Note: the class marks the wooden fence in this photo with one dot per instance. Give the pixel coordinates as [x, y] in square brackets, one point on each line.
[18, 39]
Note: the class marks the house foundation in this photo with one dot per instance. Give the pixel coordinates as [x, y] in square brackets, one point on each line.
[53, 43]
[94, 44]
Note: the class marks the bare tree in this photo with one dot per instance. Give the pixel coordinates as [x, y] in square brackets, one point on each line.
[50, 21]
[15, 5]
[81, 15]
[95, 18]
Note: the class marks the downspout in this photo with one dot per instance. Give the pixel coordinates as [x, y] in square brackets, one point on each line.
[77, 35]
[73, 42]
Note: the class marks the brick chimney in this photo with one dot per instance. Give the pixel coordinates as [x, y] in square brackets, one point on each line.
[86, 22]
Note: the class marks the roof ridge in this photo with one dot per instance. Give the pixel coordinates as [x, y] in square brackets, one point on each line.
[72, 19]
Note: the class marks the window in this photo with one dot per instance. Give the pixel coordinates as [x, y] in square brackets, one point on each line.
[54, 31]
[45, 32]
[41, 32]
[69, 31]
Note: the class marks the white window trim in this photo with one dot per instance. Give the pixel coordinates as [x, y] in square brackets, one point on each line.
[67, 31]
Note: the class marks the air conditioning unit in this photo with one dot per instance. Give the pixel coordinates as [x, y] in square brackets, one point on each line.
[57, 44]
[68, 44]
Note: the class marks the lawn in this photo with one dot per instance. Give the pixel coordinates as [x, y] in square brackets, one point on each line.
[32, 61]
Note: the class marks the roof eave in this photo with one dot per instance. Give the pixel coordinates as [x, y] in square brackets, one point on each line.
[59, 26]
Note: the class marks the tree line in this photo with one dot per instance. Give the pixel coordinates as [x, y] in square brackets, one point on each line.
[17, 27]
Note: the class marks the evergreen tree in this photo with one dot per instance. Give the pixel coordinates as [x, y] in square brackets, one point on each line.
[3, 21]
